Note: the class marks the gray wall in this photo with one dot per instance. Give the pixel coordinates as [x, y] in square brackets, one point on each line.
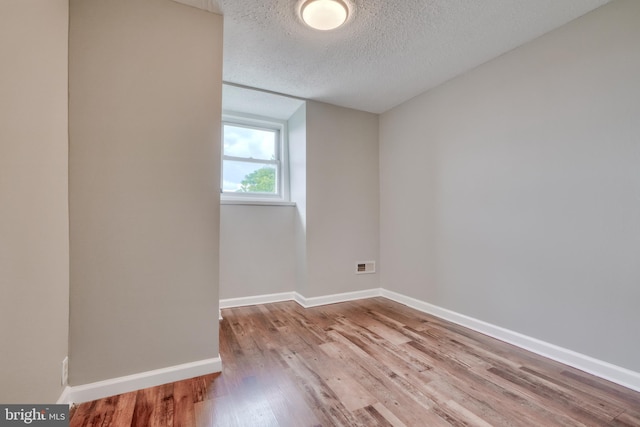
[257, 252]
[312, 248]
[342, 198]
[511, 193]
[34, 225]
[145, 95]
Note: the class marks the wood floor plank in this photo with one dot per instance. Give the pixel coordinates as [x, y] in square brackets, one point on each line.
[79, 414]
[184, 404]
[321, 398]
[367, 363]
[395, 391]
[384, 412]
[388, 393]
[216, 412]
[251, 401]
[557, 398]
[629, 418]
[352, 395]
[286, 402]
[123, 413]
[154, 407]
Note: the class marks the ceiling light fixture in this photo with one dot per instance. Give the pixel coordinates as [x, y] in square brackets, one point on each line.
[324, 14]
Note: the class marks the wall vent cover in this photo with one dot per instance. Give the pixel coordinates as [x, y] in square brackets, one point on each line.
[365, 267]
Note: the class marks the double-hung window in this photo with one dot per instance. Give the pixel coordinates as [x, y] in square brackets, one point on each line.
[254, 159]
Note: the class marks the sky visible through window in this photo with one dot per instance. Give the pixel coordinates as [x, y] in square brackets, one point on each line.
[258, 144]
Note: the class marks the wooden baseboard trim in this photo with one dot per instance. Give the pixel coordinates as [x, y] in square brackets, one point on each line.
[622, 376]
[111, 387]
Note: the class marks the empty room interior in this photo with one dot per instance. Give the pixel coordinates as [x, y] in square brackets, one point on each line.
[422, 213]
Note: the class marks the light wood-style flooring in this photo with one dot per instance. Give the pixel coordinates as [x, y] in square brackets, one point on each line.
[367, 363]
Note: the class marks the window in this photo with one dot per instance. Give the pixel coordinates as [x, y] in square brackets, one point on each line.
[254, 159]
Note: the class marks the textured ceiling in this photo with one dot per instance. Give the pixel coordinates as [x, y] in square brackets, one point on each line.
[389, 51]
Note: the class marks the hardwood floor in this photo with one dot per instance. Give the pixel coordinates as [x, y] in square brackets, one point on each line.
[367, 363]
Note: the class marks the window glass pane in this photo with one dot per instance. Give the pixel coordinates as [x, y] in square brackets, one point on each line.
[251, 143]
[248, 177]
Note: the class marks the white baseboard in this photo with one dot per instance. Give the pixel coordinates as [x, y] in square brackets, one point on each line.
[111, 387]
[64, 397]
[335, 298]
[300, 299]
[257, 299]
[624, 377]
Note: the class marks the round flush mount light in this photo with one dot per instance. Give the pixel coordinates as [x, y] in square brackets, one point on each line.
[324, 14]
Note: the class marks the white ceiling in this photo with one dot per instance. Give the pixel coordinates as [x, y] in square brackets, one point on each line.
[388, 52]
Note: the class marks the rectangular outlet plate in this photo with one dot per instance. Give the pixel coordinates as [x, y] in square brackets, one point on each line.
[65, 371]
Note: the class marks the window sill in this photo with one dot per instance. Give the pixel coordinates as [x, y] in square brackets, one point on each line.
[256, 202]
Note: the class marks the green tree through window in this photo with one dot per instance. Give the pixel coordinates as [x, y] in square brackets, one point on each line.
[262, 180]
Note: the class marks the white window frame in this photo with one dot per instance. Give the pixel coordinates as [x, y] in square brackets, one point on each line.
[281, 161]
